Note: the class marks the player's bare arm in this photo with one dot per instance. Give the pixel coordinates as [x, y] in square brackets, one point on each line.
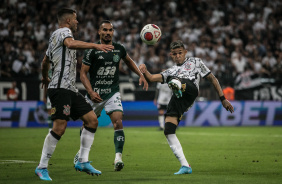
[132, 66]
[149, 77]
[76, 44]
[225, 103]
[95, 97]
[45, 65]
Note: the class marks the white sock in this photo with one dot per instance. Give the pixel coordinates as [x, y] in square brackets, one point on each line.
[86, 140]
[177, 149]
[47, 151]
[118, 156]
[161, 121]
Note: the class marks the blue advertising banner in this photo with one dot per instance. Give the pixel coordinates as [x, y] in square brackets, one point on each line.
[144, 113]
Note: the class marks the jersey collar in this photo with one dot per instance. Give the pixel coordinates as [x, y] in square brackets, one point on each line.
[183, 62]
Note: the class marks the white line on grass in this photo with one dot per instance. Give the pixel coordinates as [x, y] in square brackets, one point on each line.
[221, 134]
[226, 135]
[16, 162]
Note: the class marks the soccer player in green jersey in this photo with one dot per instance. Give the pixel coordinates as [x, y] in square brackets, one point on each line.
[103, 86]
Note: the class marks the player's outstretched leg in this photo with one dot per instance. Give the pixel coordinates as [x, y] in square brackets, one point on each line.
[184, 170]
[87, 167]
[43, 174]
[176, 148]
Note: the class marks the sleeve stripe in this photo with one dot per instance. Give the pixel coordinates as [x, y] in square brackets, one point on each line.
[206, 75]
[163, 79]
[86, 63]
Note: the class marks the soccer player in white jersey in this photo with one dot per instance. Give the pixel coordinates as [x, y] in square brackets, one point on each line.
[162, 97]
[103, 85]
[183, 79]
[65, 99]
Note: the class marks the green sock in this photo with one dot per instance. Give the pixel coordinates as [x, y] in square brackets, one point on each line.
[49, 121]
[119, 140]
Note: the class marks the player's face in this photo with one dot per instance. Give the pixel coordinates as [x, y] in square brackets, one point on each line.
[73, 22]
[178, 55]
[106, 32]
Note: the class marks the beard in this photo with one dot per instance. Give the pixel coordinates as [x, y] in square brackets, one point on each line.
[107, 40]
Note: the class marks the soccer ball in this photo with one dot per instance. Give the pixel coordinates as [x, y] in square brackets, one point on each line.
[150, 34]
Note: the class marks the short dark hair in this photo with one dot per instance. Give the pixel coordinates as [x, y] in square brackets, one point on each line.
[177, 44]
[64, 11]
[104, 21]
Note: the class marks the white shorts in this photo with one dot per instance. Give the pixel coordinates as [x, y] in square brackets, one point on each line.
[110, 105]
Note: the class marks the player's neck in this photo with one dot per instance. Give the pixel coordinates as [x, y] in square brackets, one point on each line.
[64, 25]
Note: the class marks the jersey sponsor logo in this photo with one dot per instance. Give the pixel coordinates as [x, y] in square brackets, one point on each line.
[115, 50]
[108, 63]
[100, 57]
[98, 51]
[108, 71]
[105, 91]
[66, 110]
[97, 90]
[104, 82]
[116, 58]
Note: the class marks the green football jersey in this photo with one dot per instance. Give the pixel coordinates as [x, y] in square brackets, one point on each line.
[104, 69]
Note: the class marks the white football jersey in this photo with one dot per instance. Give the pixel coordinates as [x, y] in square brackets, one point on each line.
[192, 69]
[165, 94]
[63, 60]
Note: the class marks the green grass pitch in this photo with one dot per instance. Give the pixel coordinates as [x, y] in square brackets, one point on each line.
[251, 155]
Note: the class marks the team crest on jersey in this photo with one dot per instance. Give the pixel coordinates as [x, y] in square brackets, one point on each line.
[116, 58]
[53, 110]
[188, 66]
[67, 110]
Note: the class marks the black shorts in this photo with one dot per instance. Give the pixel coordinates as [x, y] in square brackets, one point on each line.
[177, 106]
[66, 104]
[162, 107]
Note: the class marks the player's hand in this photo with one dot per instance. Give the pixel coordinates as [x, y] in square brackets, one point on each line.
[227, 105]
[104, 47]
[45, 82]
[155, 102]
[175, 86]
[95, 97]
[143, 80]
[143, 68]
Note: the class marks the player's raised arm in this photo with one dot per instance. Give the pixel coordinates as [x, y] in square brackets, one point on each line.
[225, 103]
[133, 67]
[150, 77]
[76, 44]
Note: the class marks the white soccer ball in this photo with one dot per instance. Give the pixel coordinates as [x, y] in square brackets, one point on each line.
[150, 34]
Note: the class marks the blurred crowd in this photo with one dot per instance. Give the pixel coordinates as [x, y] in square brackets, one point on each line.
[231, 37]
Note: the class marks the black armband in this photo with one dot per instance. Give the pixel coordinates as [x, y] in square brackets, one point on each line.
[222, 98]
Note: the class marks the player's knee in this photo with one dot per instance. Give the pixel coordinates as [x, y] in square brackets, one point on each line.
[169, 128]
[117, 124]
[91, 122]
